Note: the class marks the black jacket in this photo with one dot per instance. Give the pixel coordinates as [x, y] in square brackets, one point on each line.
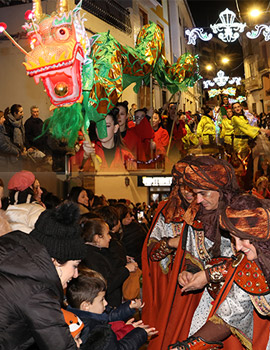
[30, 297]
[33, 128]
[8, 151]
[133, 239]
[100, 260]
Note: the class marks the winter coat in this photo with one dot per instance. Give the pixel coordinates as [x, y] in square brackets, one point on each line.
[100, 334]
[133, 239]
[91, 320]
[33, 128]
[8, 151]
[100, 260]
[23, 216]
[103, 338]
[30, 297]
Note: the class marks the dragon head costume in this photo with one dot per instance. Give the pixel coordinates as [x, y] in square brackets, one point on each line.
[84, 78]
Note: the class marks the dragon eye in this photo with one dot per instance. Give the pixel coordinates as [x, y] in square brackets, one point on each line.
[62, 33]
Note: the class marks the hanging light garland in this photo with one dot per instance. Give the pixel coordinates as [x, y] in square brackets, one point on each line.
[228, 30]
[229, 91]
[221, 80]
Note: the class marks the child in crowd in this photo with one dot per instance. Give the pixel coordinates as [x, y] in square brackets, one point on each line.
[95, 233]
[86, 298]
[75, 326]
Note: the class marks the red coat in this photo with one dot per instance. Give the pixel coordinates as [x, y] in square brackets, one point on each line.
[165, 307]
[145, 132]
[134, 144]
[161, 140]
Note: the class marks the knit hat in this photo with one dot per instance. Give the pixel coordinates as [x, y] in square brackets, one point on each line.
[59, 231]
[21, 180]
[74, 322]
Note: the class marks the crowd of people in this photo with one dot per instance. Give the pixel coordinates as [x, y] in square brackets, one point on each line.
[82, 272]
[137, 138]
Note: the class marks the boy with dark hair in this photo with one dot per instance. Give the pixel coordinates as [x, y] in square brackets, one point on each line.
[105, 328]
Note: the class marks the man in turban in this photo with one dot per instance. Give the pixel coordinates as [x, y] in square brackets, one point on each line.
[247, 284]
[214, 184]
[163, 256]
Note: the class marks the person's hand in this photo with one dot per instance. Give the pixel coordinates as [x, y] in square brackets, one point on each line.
[136, 304]
[149, 330]
[88, 149]
[184, 278]
[24, 152]
[132, 266]
[130, 259]
[152, 145]
[198, 281]
[200, 141]
[173, 242]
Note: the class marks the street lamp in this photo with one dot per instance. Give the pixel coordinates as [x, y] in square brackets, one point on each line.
[209, 67]
[255, 12]
[225, 60]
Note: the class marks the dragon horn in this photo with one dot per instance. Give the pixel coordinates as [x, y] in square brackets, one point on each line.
[37, 9]
[62, 6]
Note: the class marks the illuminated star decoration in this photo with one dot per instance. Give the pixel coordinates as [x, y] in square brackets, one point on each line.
[221, 79]
[229, 91]
[265, 29]
[235, 80]
[194, 33]
[228, 30]
[207, 83]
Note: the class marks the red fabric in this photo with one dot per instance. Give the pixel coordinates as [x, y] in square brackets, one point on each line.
[260, 327]
[119, 158]
[179, 131]
[134, 144]
[165, 307]
[120, 328]
[117, 164]
[145, 132]
[161, 140]
[130, 124]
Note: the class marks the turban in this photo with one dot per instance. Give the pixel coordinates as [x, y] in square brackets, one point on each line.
[210, 174]
[248, 217]
[174, 209]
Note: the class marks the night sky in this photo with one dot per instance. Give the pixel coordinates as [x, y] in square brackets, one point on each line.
[207, 12]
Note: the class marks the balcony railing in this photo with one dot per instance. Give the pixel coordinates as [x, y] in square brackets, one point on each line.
[109, 11]
[253, 83]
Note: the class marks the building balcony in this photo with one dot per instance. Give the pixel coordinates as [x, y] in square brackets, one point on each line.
[263, 65]
[110, 11]
[253, 83]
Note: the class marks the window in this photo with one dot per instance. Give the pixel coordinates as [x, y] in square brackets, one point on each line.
[143, 18]
[163, 49]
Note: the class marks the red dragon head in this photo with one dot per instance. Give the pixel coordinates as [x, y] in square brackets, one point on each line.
[59, 48]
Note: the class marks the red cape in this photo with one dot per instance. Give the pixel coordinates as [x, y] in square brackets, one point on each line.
[165, 307]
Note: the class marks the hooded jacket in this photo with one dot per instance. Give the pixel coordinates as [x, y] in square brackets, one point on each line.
[30, 297]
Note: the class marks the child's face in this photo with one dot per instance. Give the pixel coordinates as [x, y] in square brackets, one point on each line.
[78, 340]
[99, 304]
[104, 240]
